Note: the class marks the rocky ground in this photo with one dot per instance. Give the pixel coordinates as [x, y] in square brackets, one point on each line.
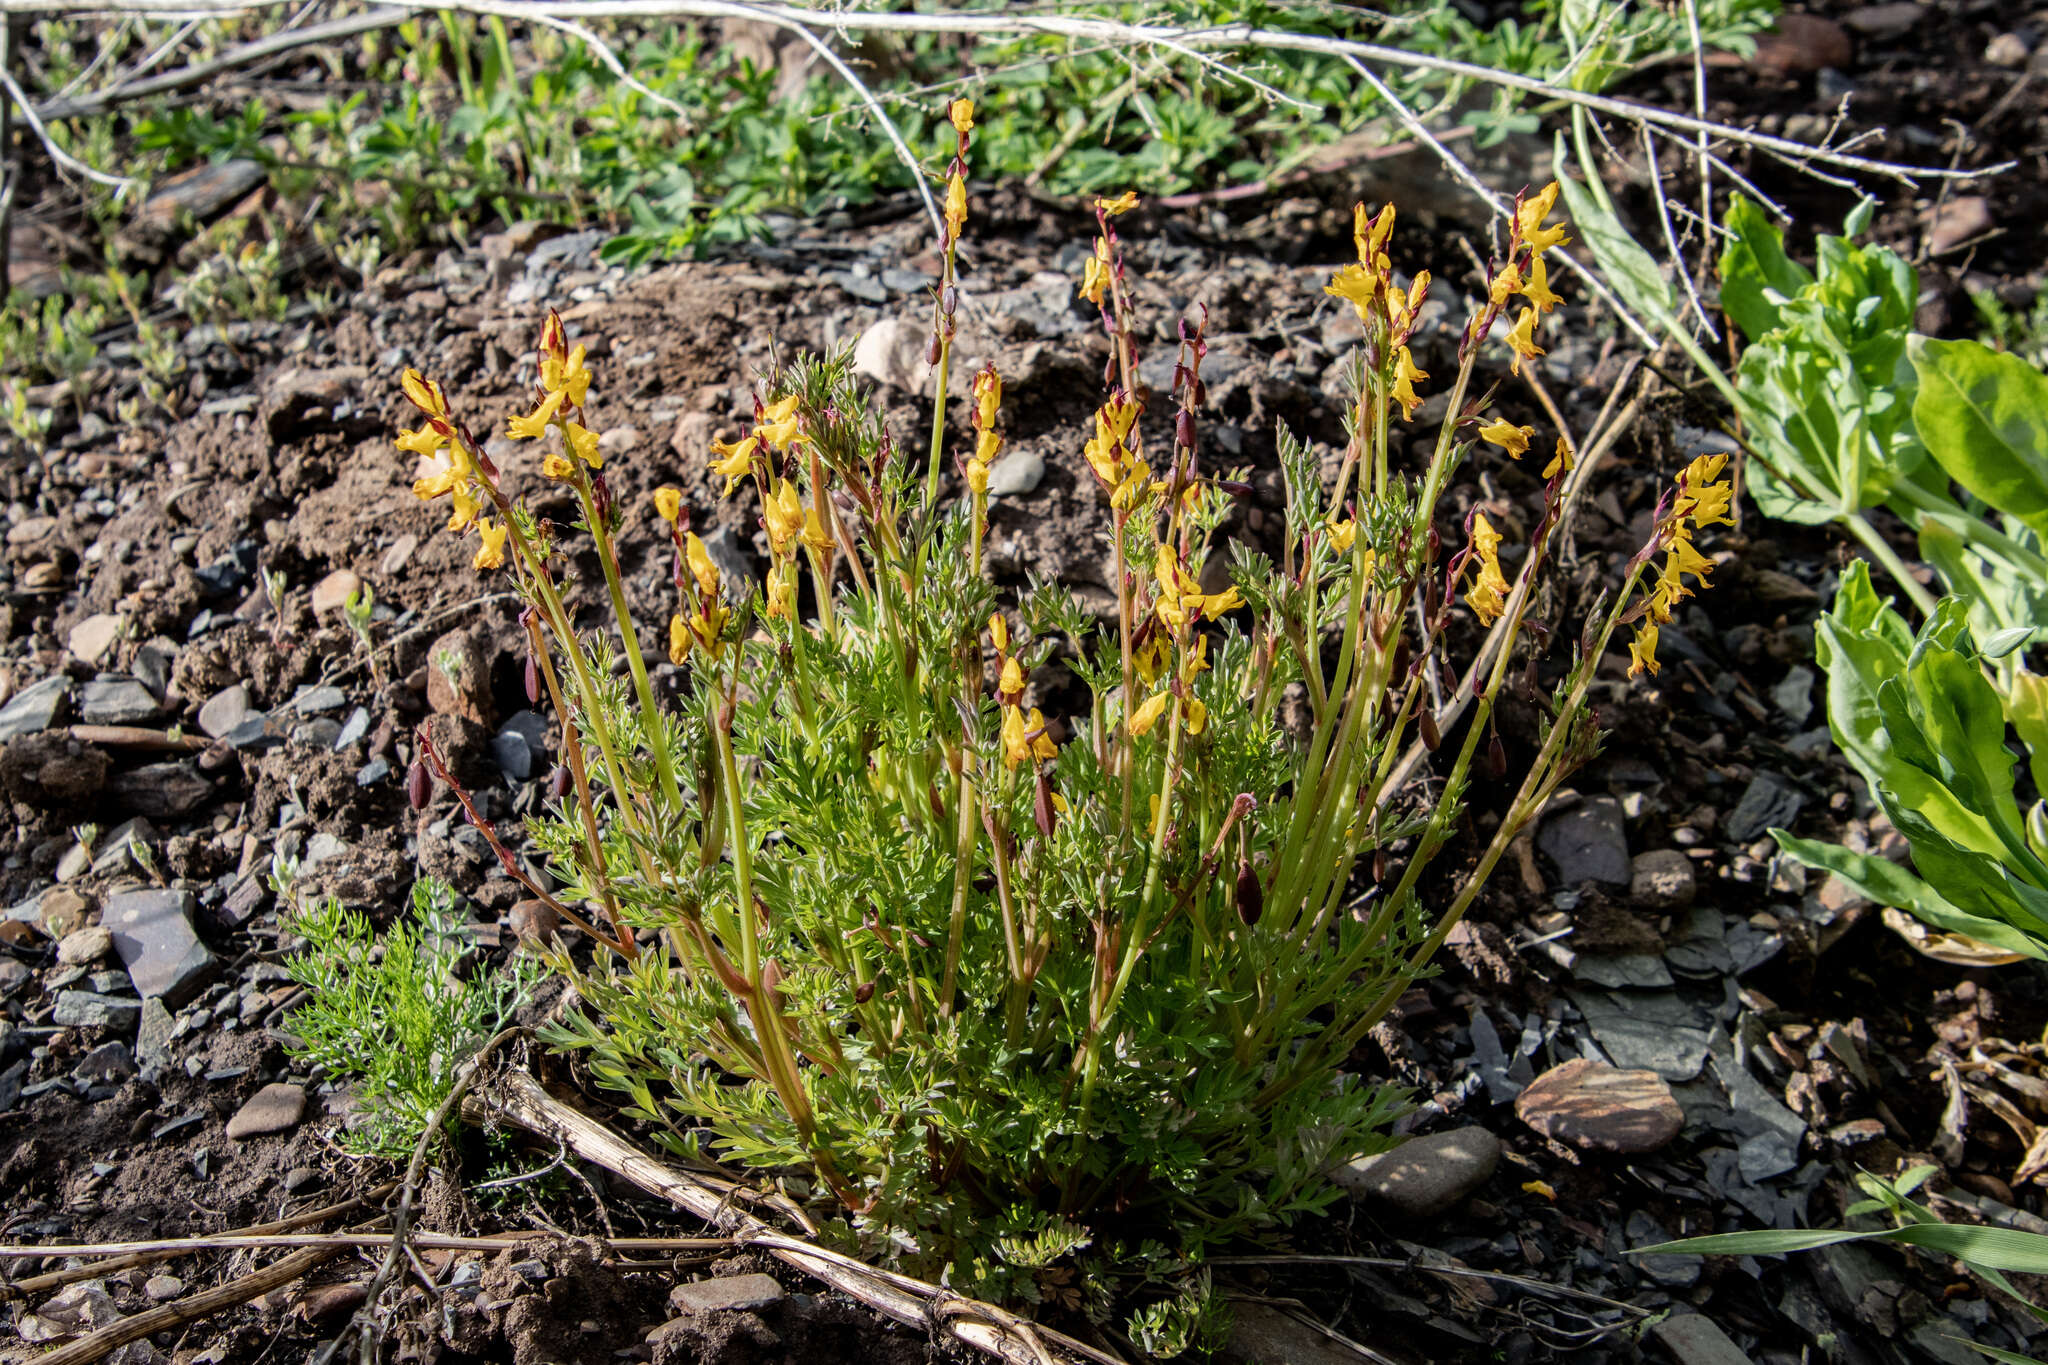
[1652, 1027]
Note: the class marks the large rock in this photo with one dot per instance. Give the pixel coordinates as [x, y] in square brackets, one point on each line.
[1588, 843]
[1426, 1175]
[153, 933]
[892, 354]
[225, 710]
[1602, 1108]
[1663, 879]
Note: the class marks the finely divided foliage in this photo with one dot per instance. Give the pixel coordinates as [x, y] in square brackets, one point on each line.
[1027, 995]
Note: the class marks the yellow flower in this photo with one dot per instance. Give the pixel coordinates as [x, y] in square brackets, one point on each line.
[1529, 216]
[678, 639]
[1700, 497]
[1509, 437]
[450, 471]
[961, 113]
[1406, 373]
[1370, 235]
[999, 631]
[1012, 682]
[1132, 490]
[1150, 658]
[781, 591]
[534, 425]
[558, 467]
[583, 444]
[814, 533]
[738, 461]
[1095, 273]
[463, 507]
[1195, 716]
[1522, 340]
[1147, 716]
[1356, 285]
[668, 503]
[988, 396]
[425, 441]
[1122, 204]
[986, 445]
[1560, 463]
[491, 554]
[1536, 288]
[702, 567]
[784, 512]
[1342, 534]
[566, 375]
[425, 394]
[1642, 651]
[1196, 661]
[977, 476]
[1506, 284]
[1683, 558]
[780, 426]
[956, 207]
[1020, 744]
[1487, 596]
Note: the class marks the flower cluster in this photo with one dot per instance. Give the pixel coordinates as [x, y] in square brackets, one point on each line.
[1103, 267]
[561, 386]
[777, 428]
[988, 398]
[1387, 310]
[702, 621]
[1112, 452]
[1702, 501]
[1024, 735]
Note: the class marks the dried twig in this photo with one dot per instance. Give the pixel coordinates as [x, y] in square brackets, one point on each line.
[1015, 22]
[519, 1098]
[166, 1248]
[191, 1308]
[131, 1254]
[57, 155]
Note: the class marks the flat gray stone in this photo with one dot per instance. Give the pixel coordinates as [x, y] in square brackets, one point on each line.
[91, 639]
[1637, 971]
[117, 701]
[313, 701]
[87, 1009]
[1015, 474]
[225, 711]
[1649, 1031]
[276, 1108]
[1588, 843]
[725, 1293]
[154, 935]
[34, 709]
[82, 947]
[1693, 1339]
[1425, 1175]
[1769, 800]
[153, 1035]
[321, 847]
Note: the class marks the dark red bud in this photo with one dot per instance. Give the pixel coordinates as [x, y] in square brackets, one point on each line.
[1432, 740]
[1379, 864]
[864, 992]
[1041, 806]
[558, 782]
[1435, 544]
[1109, 368]
[1497, 757]
[1200, 396]
[1251, 896]
[949, 300]
[419, 784]
[532, 680]
[1184, 429]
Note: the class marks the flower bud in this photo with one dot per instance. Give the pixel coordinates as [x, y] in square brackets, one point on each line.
[1041, 806]
[558, 782]
[931, 350]
[1425, 720]
[1496, 757]
[1184, 429]
[1251, 896]
[532, 680]
[419, 784]
[864, 992]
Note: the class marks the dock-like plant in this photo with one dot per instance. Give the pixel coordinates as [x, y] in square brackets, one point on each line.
[1018, 928]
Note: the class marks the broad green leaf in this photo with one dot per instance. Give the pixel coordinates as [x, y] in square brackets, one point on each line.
[1960, 714]
[2005, 1249]
[1981, 884]
[1884, 881]
[1984, 417]
[1998, 1353]
[2026, 706]
[1632, 272]
[1753, 266]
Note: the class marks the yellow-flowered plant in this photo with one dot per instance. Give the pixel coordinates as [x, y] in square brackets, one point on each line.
[1027, 932]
